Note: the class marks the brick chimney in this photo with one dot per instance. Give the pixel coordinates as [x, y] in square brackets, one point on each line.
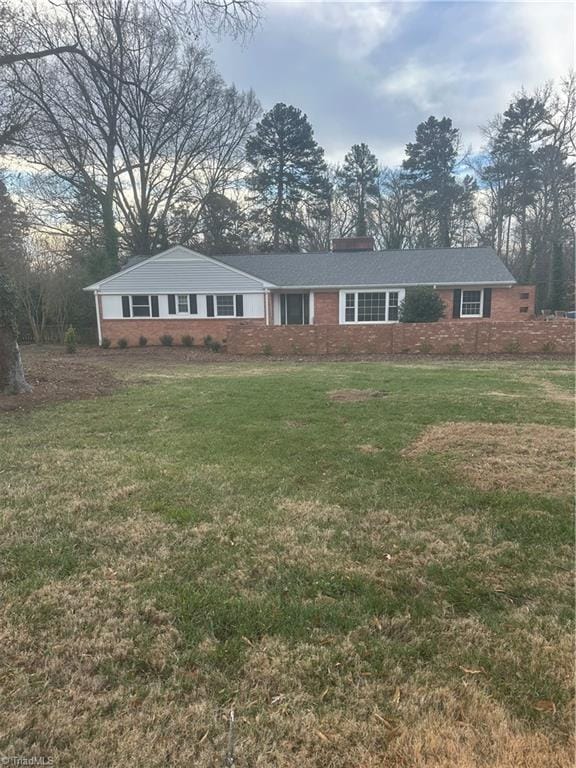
[352, 244]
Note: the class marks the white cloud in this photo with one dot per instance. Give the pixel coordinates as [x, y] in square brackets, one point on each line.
[423, 85]
[547, 31]
[356, 28]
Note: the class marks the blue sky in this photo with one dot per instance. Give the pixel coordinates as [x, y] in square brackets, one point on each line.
[366, 71]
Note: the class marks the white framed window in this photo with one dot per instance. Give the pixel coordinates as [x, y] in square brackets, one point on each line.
[370, 306]
[140, 306]
[225, 306]
[471, 303]
[182, 304]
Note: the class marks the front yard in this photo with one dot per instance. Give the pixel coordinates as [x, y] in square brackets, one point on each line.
[370, 562]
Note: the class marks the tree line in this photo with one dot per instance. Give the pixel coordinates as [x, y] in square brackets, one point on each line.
[126, 140]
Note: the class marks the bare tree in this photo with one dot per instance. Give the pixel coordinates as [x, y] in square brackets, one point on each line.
[39, 43]
[151, 125]
[395, 215]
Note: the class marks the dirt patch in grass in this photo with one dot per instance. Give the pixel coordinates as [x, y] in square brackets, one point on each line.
[58, 377]
[369, 449]
[557, 394]
[530, 457]
[354, 395]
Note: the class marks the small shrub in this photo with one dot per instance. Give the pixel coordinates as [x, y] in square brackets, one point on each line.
[166, 340]
[122, 343]
[142, 341]
[187, 340]
[105, 343]
[512, 347]
[421, 305]
[548, 347]
[267, 350]
[207, 341]
[70, 341]
[215, 346]
[454, 349]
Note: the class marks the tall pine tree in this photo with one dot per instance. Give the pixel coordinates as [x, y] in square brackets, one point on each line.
[289, 175]
[358, 182]
[430, 166]
[12, 232]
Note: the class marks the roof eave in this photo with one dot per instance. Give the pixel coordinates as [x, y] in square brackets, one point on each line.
[453, 284]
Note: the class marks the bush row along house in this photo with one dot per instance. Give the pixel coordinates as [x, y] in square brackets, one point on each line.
[181, 292]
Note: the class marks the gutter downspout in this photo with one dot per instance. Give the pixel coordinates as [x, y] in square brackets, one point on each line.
[98, 318]
[266, 308]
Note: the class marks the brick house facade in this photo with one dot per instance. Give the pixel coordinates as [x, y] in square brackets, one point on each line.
[183, 293]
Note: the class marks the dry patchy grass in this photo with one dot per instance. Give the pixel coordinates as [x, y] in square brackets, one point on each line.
[528, 457]
[354, 395]
[163, 563]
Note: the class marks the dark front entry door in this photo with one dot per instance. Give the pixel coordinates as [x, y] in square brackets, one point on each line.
[294, 308]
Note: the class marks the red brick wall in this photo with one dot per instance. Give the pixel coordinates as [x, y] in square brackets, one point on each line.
[326, 308]
[153, 328]
[506, 303]
[466, 337]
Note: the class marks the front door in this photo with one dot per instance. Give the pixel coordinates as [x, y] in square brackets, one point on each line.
[294, 308]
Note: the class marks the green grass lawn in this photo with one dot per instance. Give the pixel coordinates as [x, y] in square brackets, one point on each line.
[228, 536]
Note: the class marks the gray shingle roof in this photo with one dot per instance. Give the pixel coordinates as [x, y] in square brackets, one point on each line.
[423, 266]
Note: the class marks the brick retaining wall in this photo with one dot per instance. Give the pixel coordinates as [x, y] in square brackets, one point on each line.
[468, 337]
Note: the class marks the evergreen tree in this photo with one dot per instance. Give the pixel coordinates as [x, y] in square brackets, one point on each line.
[224, 225]
[289, 175]
[13, 228]
[464, 233]
[12, 232]
[514, 150]
[556, 298]
[429, 166]
[358, 182]
[87, 245]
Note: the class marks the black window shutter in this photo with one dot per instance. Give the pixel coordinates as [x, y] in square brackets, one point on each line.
[192, 301]
[487, 308]
[171, 304]
[125, 306]
[456, 302]
[306, 308]
[210, 306]
[239, 305]
[155, 309]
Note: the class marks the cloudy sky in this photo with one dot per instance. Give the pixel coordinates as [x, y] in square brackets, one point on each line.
[367, 71]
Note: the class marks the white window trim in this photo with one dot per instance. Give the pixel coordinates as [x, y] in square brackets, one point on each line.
[141, 317]
[401, 294]
[216, 313]
[469, 290]
[187, 310]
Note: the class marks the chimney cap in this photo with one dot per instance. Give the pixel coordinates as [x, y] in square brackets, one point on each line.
[352, 244]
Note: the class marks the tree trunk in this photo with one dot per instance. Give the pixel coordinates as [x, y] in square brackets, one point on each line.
[12, 379]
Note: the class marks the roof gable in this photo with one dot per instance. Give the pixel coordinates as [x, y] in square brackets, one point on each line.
[179, 269]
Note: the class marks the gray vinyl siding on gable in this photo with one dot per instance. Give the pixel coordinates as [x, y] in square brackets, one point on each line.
[180, 276]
